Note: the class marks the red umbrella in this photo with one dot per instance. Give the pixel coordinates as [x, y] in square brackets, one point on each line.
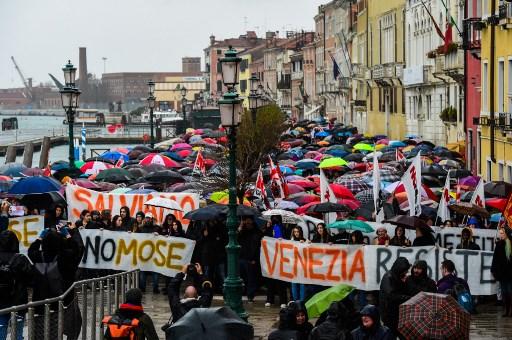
[294, 188]
[496, 203]
[181, 146]
[85, 183]
[122, 150]
[5, 178]
[352, 204]
[209, 141]
[184, 153]
[93, 167]
[340, 191]
[154, 158]
[303, 209]
[312, 154]
[303, 198]
[304, 183]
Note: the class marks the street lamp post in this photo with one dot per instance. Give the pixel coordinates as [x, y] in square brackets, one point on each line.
[230, 110]
[69, 95]
[183, 102]
[254, 98]
[151, 104]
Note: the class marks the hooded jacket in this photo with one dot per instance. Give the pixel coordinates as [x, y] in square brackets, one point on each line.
[20, 267]
[501, 267]
[469, 243]
[180, 307]
[377, 332]
[304, 329]
[422, 283]
[335, 326]
[146, 329]
[285, 329]
[393, 292]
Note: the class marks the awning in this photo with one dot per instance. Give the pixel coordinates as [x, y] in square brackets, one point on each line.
[312, 111]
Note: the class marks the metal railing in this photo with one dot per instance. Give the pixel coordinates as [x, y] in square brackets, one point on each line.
[81, 318]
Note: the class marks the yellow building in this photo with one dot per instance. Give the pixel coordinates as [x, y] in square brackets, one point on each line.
[496, 88]
[168, 93]
[385, 50]
[248, 56]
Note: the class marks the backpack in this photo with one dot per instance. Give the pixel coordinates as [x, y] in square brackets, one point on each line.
[464, 298]
[7, 280]
[49, 280]
[120, 328]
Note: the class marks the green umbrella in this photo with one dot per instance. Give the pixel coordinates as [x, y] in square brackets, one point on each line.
[120, 190]
[78, 164]
[332, 163]
[364, 147]
[352, 225]
[320, 302]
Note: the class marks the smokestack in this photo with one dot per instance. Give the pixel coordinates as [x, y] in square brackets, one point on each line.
[82, 72]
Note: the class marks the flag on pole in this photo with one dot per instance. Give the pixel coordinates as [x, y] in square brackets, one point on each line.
[442, 211]
[335, 68]
[260, 190]
[448, 36]
[47, 170]
[507, 213]
[200, 164]
[434, 22]
[119, 162]
[412, 184]
[376, 188]
[326, 193]
[478, 197]
[277, 179]
[400, 156]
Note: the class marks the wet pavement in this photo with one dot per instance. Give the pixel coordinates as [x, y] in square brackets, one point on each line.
[487, 324]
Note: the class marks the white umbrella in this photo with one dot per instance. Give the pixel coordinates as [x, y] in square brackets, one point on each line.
[163, 202]
[287, 216]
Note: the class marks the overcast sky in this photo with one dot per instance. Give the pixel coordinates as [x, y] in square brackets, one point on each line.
[134, 35]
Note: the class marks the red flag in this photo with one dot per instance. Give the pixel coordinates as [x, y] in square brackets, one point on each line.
[47, 171]
[277, 177]
[436, 26]
[119, 162]
[507, 213]
[448, 36]
[399, 156]
[200, 164]
[260, 188]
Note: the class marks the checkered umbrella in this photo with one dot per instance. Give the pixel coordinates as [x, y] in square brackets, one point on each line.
[365, 196]
[433, 316]
[353, 184]
[388, 175]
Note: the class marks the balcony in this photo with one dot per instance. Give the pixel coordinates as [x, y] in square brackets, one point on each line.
[389, 70]
[502, 121]
[454, 65]
[284, 82]
[298, 75]
[505, 14]
[344, 83]
[358, 70]
[472, 34]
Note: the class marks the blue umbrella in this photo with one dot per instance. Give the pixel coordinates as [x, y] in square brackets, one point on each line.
[496, 217]
[285, 170]
[35, 185]
[307, 164]
[59, 165]
[337, 153]
[397, 144]
[411, 136]
[174, 156]
[322, 134]
[114, 156]
[12, 169]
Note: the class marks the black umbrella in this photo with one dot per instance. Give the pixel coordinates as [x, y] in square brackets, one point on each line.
[388, 157]
[365, 213]
[459, 173]
[210, 212]
[164, 176]
[433, 170]
[134, 154]
[409, 222]
[68, 172]
[137, 172]
[431, 181]
[243, 210]
[215, 134]
[186, 171]
[99, 159]
[154, 167]
[43, 201]
[354, 157]
[114, 175]
[498, 189]
[427, 143]
[328, 207]
[210, 323]
[143, 148]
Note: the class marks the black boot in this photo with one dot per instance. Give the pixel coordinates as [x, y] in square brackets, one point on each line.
[507, 305]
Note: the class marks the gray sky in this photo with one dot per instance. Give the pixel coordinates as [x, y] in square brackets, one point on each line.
[135, 35]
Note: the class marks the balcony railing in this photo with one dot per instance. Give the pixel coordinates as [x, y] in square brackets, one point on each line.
[297, 75]
[472, 34]
[502, 120]
[284, 82]
[454, 60]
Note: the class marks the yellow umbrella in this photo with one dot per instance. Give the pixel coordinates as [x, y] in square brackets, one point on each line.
[380, 146]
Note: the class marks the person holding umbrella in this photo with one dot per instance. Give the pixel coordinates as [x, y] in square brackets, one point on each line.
[501, 268]
[424, 237]
[249, 238]
[419, 281]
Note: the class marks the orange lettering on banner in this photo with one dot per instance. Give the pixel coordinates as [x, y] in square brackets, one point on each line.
[284, 260]
[358, 266]
[267, 259]
[303, 260]
[343, 265]
[312, 263]
[100, 204]
[133, 206]
[83, 195]
[334, 253]
[122, 201]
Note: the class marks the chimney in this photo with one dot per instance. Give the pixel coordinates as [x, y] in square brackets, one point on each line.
[29, 80]
[212, 39]
[82, 71]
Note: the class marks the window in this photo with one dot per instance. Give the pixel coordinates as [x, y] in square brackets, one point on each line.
[441, 103]
[501, 168]
[219, 67]
[478, 150]
[488, 170]
[219, 52]
[509, 173]
[501, 86]
[243, 85]
[429, 106]
[471, 149]
[387, 43]
[243, 65]
[219, 85]
[485, 87]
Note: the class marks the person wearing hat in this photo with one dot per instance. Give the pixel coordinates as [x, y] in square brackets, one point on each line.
[466, 240]
[424, 237]
[132, 309]
[370, 327]
[148, 227]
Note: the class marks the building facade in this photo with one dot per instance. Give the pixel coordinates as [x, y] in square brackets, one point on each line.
[495, 121]
[168, 92]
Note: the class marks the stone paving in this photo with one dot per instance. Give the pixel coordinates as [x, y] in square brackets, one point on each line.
[487, 324]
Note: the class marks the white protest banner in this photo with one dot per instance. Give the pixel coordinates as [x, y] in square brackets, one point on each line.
[308, 225]
[26, 228]
[478, 196]
[79, 198]
[364, 266]
[106, 249]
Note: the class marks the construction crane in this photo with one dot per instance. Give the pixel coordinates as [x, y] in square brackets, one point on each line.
[27, 87]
